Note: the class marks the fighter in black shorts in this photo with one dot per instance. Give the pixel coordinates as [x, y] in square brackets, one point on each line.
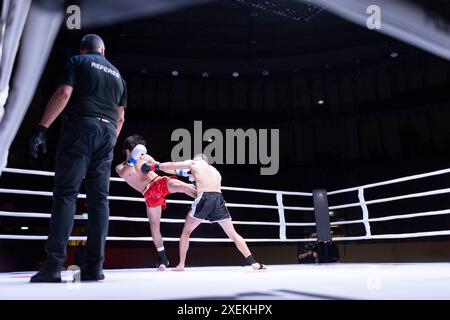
[209, 205]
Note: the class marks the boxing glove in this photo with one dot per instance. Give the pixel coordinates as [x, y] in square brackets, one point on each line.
[137, 151]
[183, 172]
[147, 167]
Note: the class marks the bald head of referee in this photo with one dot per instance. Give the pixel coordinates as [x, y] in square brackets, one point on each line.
[92, 43]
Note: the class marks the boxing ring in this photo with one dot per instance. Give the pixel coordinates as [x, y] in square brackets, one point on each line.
[37, 26]
[318, 281]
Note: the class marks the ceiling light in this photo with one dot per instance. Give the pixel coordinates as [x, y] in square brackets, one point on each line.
[24, 228]
[205, 74]
[235, 74]
[175, 73]
[394, 54]
[320, 101]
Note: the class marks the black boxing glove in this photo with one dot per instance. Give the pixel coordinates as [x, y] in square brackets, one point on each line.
[147, 167]
[39, 139]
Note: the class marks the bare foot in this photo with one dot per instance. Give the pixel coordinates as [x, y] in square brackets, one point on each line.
[258, 266]
[179, 268]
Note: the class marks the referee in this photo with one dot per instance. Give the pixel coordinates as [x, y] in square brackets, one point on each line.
[93, 96]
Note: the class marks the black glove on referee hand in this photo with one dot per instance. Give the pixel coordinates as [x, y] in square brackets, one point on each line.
[39, 139]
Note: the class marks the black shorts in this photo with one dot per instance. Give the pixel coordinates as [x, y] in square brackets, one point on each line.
[210, 206]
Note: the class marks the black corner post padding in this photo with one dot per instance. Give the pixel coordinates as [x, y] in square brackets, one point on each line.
[322, 215]
[326, 250]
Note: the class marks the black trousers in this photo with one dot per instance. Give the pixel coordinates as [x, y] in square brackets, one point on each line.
[85, 150]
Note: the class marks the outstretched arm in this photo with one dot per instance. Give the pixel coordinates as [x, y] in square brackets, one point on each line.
[170, 167]
[150, 160]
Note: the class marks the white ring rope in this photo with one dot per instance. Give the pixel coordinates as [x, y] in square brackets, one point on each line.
[393, 217]
[341, 206]
[411, 215]
[51, 174]
[282, 224]
[396, 236]
[408, 196]
[121, 218]
[379, 237]
[398, 180]
[135, 199]
[30, 237]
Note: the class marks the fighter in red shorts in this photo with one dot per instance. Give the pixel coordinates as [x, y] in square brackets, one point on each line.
[139, 174]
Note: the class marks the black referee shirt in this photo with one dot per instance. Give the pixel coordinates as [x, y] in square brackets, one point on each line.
[98, 87]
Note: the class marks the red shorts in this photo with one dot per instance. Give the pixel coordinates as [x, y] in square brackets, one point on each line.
[157, 192]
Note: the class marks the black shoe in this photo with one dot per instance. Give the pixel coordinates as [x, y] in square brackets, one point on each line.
[88, 274]
[92, 277]
[46, 276]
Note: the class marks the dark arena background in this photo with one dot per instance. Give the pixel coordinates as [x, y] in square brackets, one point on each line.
[353, 107]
